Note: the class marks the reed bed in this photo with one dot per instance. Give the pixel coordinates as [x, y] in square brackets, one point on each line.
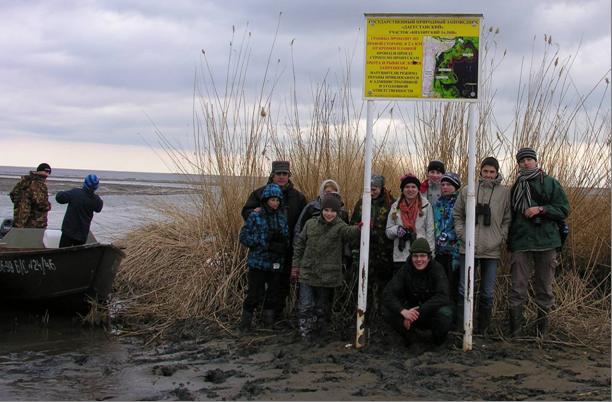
[192, 267]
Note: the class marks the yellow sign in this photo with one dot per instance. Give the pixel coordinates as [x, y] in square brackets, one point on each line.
[422, 56]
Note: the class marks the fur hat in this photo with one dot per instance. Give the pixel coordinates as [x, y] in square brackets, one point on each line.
[44, 167]
[409, 178]
[331, 200]
[436, 165]
[281, 166]
[490, 161]
[452, 178]
[420, 245]
[91, 182]
[526, 153]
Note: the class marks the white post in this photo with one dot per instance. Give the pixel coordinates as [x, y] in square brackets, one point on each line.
[470, 223]
[364, 249]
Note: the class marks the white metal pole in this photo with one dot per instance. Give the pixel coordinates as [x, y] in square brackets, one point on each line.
[364, 249]
[470, 223]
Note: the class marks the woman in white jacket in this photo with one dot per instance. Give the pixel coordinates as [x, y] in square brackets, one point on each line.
[410, 217]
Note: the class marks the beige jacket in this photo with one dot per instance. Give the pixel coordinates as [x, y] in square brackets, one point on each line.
[488, 240]
[424, 228]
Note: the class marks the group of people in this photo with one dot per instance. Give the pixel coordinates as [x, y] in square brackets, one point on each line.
[31, 205]
[417, 247]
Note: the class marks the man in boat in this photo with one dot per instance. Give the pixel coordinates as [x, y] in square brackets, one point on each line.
[82, 203]
[30, 199]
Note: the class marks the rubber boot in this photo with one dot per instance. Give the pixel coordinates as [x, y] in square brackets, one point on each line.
[246, 321]
[516, 321]
[269, 318]
[542, 323]
[484, 318]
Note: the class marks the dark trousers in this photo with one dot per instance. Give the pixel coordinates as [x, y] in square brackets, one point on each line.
[284, 284]
[314, 308]
[263, 288]
[452, 274]
[66, 241]
[439, 323]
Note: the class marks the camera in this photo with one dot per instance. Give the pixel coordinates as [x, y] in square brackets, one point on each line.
[442, 239]
[485, 211]
[409, 236]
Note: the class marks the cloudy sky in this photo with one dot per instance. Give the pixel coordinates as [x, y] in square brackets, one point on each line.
[84, 83]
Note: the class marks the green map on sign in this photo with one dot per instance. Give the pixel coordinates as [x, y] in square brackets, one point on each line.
[455, 70]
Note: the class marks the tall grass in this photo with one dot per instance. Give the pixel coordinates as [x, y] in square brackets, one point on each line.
[193, 267]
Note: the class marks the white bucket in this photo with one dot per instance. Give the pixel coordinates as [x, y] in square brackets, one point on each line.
[51, 238]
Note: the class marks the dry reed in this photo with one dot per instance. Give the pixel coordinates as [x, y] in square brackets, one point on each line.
[192, 266]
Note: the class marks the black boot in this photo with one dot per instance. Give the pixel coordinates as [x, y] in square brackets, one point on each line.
[542, 323]
[245, 321]
[516, 321]
[484, 318]
[269, 318]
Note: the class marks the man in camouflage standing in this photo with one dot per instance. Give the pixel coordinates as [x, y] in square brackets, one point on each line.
[31, 199]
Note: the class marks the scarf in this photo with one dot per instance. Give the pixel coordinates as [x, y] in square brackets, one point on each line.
[409, 209]
[521, 195]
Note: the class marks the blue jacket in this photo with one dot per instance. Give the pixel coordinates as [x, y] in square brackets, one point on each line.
[266, 234]
[81, 206]
[444, 224]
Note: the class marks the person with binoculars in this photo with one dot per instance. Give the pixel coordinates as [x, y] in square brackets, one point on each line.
[411, 216]
[539, 203]
[493, 218]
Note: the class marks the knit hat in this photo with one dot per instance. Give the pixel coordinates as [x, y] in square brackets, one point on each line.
[331, 200]
[271, 190]
[44, 167]
[420, 245]
[436, 165]
[490, 161]
[91, 182]
[377, 181]
[526, 153]
[452, 178]
[409, 178]
[280, 166]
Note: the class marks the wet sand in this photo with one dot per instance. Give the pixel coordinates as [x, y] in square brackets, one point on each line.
[67, 362]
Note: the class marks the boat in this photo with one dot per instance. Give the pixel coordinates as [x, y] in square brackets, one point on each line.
[35, 272]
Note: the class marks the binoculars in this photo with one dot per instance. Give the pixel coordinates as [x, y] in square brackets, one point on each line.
[409, 236]
[485, 211]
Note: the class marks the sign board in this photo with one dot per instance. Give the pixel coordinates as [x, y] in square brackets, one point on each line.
[417, 56]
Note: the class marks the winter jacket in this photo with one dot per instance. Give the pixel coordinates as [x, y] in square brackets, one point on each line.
[427, 289]
[81, 206]
[488, 240]
[30, 202]
[318, 251]
[293, 204]
[430, 190]
[266, 234]
[381, 247]
[528, 234]
[444, 225]
[424, 228]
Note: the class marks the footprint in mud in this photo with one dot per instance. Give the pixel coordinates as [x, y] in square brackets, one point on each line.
[218, 376]
[167, 371]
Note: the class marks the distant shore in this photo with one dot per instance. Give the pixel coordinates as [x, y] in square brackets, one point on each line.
[7, 184]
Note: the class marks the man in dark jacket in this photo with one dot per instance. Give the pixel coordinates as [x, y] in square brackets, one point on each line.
[293, 204]
[82, 203]
[538, 203]
[418, 296]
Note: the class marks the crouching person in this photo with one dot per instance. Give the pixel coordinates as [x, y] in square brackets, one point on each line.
[418, 296]
[317, 265]
[266, 234]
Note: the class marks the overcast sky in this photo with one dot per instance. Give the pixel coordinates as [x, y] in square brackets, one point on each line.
[80, 81]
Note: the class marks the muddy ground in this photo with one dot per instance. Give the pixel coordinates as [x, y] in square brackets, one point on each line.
[63, 361]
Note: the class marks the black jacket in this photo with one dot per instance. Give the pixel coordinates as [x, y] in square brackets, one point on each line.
[410, 287]
[81, 206]
[293, 203]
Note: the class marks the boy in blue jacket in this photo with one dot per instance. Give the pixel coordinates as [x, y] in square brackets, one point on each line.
[266, 234]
